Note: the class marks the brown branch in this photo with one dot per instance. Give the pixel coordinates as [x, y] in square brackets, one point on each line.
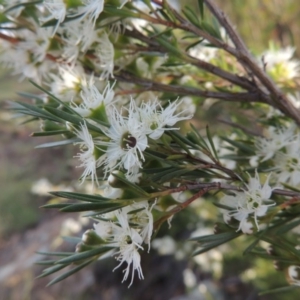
[278, 99]
[232, 78]
[206, 187]
[235, 79]
[9, 39]
[181, 90]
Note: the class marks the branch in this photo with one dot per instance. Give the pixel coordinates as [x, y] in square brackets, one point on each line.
[210, 68]
[181, 90]
[278, 99]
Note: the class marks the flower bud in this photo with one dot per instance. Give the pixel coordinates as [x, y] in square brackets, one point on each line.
[91, 238]
[114, 181]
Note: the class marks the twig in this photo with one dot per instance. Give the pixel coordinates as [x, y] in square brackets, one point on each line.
[180, 90]
[279, 100]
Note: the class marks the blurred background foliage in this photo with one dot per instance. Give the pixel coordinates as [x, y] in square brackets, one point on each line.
[260, 22]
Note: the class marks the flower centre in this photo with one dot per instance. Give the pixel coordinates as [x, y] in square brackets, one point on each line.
[153, 126]
[292, 164]
[128, 141]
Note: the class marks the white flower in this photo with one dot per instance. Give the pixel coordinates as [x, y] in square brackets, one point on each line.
[294, 275]
[295, 99]
[57, 9]
[105, 54]
[127, 141]
[31, 53]
[156, 118]
[276, 139]
[78, 36]
[128, 241]
[86, 156]
[69, 82]
[280, 64]
[10, 3]
[92, 99]
[288, 164]
[91, 9]
[142, 219]
[251, 202]
[203, 52]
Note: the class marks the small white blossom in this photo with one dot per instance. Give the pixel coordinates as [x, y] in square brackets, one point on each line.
[294, 275]
[92, 99]
[143, 219]
[279, 63]
[86, 156]
[91, 9]
[127, 141]
[250, 203]
[288, 164]
[156, 118]
[105, 55]
[276, 139]
[57, 10]
[69, 81]
[126, 239]
[129, 242]
[203, 52]
[295, 99]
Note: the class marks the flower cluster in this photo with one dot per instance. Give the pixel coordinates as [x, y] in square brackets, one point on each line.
[126, 137]
[107, 69]
[253, 202]
[281, 147]
[127, 231]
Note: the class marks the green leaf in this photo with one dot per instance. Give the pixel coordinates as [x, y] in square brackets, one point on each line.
[213, 30]
[279, 290]
[85, 255]
[28, 109]
[78, 196]
[22, 4]
[211, 241]
[50, 133]
[58, 143]
[45, 262]
[201, 8]
[272, 257]
[225, 236]
[69, 273]
[74, 119]
[132, 186]
[246, 148]
[125, 13]
[31, 96]
[189, 13]
[222, 206]
[288, 227]
[163, 41]
[181, 141]
[176, 174]
[53, 22]
[163, 172]
[78, 207]
[211, 143]
[56, 205]
[253, 245]
[55, 253]
[63, 104]
[193, 44]
[51, 270]
[202, 143]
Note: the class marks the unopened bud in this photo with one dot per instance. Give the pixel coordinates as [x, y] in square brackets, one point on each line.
[114, 181]
[91, 238]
